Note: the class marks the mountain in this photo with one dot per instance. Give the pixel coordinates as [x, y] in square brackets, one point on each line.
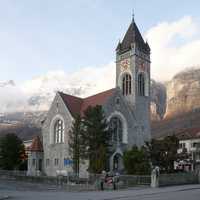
[182, 104]
[183, 93]
[24, 131]
[158, 100]
[24, 124]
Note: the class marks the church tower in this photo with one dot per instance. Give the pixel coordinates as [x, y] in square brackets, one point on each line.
[133, 75]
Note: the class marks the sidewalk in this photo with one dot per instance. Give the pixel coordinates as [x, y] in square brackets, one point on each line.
[191, 192]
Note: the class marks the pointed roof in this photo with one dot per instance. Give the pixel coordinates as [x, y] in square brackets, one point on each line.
[36, 145]
[78, 105]
[133, 35]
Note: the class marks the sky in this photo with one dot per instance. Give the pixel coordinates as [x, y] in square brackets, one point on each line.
[42, 41]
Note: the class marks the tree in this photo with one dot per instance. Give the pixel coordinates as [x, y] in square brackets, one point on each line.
[75, 143]
[96, 138]
[136, 161]
[11, 151]
[163, 153]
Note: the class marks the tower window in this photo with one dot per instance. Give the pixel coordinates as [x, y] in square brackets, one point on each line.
[141, 84]
[59, 131]
[126, 84]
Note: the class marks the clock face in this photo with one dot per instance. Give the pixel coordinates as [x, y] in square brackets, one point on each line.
[142, 67]
[125, 64]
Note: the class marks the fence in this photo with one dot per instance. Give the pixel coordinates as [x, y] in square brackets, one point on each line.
[67, 183]
[134, 180]
[73, 183]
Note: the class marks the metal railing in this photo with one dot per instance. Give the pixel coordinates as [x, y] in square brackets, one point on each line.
[92, 179]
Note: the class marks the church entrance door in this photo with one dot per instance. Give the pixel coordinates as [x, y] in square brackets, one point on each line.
[117, 162]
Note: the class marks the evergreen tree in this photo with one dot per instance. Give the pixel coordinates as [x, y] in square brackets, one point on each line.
[11, 151]
[96, 138]
[75, 143]
[163, 153]
[136, 161]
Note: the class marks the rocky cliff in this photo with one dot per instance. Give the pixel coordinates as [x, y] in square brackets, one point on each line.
[182, 104]
[183, 93]
[158, 100]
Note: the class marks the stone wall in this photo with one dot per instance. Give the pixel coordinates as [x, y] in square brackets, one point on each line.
[174, 179]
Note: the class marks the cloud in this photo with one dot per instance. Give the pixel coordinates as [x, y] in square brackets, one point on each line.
[174, 46]
[87, 80]
[38, 93]
[12, 98]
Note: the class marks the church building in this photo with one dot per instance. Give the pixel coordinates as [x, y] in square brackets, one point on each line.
[126, 107]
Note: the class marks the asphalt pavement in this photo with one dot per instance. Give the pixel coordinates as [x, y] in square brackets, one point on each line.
[30, 191]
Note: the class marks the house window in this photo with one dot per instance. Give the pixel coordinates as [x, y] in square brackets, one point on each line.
[195, 144]
[126, 84]
[59, 131]
[182, 145]
[116, 129]
[56, 161]
[141, 84]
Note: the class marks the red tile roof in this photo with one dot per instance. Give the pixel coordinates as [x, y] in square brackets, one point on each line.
[72, 103]
[78, 105]
[186, 134]
[36, 145]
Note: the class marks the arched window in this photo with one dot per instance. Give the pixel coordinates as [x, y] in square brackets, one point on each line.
[126, 84]
[116, 129]
[59, 131]
[141, 84]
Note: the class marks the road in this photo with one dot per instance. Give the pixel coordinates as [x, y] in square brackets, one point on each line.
[24, 191]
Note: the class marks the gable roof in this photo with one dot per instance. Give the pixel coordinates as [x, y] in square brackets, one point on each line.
[133, 35]
[36, 145]
[192, 133]
[78, 105]
[73, 103]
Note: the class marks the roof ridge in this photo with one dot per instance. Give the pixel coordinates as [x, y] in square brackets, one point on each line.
[62, 93]
[77, 105]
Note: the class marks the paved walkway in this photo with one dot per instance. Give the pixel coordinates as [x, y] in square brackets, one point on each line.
[19, 191]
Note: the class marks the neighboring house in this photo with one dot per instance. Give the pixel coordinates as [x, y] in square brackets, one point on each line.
[35, 157]
[189, 144]
[126, 107]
